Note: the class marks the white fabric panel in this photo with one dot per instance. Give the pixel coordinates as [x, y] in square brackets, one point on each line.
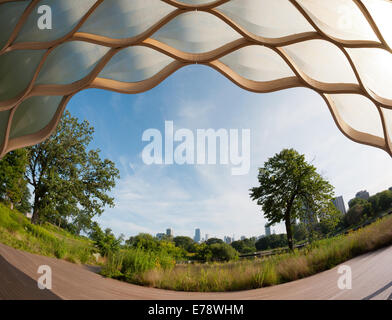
[124, 18]
[135, 64]
[65, 16]
[264, 17]
[359, 112]
[17, 69]
[196, 32]
[339, 18]
[322, 61]
[381, 11]
[375, 69]
[257, 63]
[10, 13]
[33, 115]
[70, 62]
[4, 115]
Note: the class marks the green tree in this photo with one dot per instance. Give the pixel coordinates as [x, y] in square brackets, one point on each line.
[272, 241]
[203, 252]
[244, 246]
[105, 241]
[223, 252]
[299, 231]
[385, 201]
[184, 242]
[66, 177]
[211, 241]
[13, 186]
[287, 185]
[358, 213]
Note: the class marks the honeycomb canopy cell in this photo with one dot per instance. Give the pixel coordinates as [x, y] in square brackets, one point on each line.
[340, 19]
[359, 112]
[135, 64]
[381, 11]
[322, 61]
[10, 13]
[264, 17]
[196, 2]
[4, 116]
[125, 19]
[257, 63]
[196, 32]
[70, 62]
[17, 69]
[341, 49]
[65, 16]
[375, 69]
[33, 115]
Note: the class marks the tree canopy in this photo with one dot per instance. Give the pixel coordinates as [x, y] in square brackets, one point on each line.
[13, 186]
[289, 187]
[70, 182]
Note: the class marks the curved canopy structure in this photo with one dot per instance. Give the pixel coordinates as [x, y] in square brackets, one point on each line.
[339, 48]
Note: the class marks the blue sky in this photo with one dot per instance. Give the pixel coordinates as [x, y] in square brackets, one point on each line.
[184, 197]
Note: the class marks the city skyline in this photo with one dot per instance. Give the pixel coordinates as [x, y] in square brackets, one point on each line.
[338, 201]
[207, 195]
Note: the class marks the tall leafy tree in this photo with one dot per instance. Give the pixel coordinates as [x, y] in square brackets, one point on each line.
[288, 184]
[68, 179]
[13, 186]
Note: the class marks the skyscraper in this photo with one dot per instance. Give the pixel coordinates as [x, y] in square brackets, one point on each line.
[267, 230]
[339, 204]
[228, 239]
[363, 194]
[169, 232]
[197, 235]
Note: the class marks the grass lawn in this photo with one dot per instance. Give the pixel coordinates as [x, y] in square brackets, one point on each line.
[16, 231]
[256, 273]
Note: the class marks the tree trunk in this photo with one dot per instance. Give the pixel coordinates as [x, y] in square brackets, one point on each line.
[287, 219]
[289, 232]
[35, 217]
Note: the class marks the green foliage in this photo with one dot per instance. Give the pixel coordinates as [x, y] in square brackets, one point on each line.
[213, 241]
[130, 263]
[203, 252]
[105, 241]
[223, 252]
[183, 242]
[251, 274]
[272, 241]
[13, 186]
[288, 184]
[18, 232]
[147, 242]
[70, 182]
[245, 246]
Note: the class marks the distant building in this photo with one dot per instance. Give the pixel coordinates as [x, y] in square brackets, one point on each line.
[169, 232]
[228, 239]
[197, 236]
[160, 236]
[309, 217]
[243, 237]
[339, 204]
[267, 230]
[362, 194]
[207, 237]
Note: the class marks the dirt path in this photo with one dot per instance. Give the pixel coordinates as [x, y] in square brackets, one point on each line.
[372, 279]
